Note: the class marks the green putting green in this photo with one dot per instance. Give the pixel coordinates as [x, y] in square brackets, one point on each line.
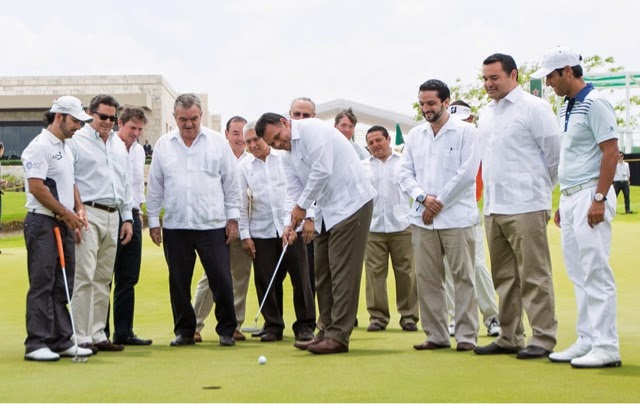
[381, 367]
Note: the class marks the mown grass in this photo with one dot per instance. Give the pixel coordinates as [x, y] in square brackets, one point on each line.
[381, 367]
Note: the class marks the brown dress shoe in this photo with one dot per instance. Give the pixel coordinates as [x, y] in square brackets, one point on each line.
[306, 344]
[430, 345]
[328, 346]
[465, 346]
[197, 337]
[238, 336]
[107, 345]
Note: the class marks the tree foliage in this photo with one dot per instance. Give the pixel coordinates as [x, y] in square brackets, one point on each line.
[475, 95]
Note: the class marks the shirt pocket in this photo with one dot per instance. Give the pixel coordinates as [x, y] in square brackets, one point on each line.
[451, 159]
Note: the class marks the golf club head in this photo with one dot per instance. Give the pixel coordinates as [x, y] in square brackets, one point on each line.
[250, 329]
[79, 359]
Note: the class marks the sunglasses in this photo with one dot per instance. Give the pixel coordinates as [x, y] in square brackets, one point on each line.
[104, 117]
[300, 114]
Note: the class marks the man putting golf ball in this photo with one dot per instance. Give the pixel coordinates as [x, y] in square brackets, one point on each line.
[262, 360]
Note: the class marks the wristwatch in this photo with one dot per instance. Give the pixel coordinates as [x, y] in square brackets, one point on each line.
[421, 198]
[599, 197]
[129, 221]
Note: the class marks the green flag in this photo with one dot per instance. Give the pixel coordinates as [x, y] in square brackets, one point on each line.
[535, 87]
[399, 139]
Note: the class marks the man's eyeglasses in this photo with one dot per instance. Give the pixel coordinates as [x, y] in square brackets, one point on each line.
[300, 114]
[104, 117]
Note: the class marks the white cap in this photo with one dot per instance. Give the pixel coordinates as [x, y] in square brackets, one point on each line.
[557, 58]
[459, 111]
[72, 106]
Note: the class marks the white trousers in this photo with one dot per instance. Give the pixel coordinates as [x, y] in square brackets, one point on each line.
[485, 291]
[95, 258]
[586, 256]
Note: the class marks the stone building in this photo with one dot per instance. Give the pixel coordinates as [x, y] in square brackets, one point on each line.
[23, 101]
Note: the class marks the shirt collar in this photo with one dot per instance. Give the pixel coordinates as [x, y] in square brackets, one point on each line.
[512, 97]
[582, 94]
[51, 137]
[295, 129]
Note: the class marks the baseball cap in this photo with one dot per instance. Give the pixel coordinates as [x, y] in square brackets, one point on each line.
[557, 58]
[70, 105]
[459, 111]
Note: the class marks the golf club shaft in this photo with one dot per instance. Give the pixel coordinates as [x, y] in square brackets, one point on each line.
[56, 230]
[273, 277]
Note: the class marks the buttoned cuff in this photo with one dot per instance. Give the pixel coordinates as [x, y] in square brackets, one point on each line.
[305, 203]
[233, 214]
[153, 221]
[244, 234]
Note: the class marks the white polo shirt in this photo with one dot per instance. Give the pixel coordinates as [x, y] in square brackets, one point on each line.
[48, 158]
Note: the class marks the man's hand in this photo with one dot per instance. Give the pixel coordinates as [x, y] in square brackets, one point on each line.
[231, 230]
[82, 214]
[556, 218]
[308, 230]
[249, 247]
[126, 232]
[297, 216]
[72, 220]
[427, 216]
[156, 235]
[432, 204]
[596, 213]
[289, 236]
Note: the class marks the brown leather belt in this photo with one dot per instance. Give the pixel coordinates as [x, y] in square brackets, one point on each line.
[96, 205]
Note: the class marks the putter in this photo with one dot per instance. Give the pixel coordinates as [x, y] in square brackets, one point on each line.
[76, 358]
[264, 299]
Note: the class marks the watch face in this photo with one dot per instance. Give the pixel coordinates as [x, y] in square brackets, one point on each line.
[599, 197]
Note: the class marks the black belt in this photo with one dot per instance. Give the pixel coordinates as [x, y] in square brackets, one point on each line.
[96, 205]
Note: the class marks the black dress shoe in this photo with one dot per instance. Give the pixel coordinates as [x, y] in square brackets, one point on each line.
[304, 336]
[258, 333]
[227, 340]
[270, 337]
[410, 327]
[430, 345]
[133, 341]
[181, 340]
[493, 349]
[374, 327]
[533, 352]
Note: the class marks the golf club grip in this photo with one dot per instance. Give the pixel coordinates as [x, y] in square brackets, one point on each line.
[56, 230]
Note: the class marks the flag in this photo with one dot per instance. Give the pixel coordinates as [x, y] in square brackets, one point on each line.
[535, 87]
[399, 139]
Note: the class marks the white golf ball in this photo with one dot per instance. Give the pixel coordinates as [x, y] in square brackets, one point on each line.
[262, 360]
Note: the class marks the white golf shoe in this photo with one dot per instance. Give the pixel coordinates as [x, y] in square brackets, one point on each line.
[576, 350]
[598, 358]
[493, 330]
[42, 355]
[71, 352]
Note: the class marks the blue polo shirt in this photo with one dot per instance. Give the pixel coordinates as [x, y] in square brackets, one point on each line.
[588, 120]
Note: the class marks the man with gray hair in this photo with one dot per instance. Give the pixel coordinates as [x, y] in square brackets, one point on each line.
[302, 108]
[194, 175]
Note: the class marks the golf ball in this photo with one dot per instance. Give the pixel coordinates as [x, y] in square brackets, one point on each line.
[262, 360]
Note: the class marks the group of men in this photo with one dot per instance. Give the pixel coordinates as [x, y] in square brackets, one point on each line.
[88, 181]
[272, 187]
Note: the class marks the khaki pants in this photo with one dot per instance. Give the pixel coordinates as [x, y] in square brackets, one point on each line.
[240, 274]
[430, 247]
[379, 247]
[521, 271]
[95, 258]
[338, 262]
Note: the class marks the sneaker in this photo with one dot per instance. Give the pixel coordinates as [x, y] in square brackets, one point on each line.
[493, 330]
[576, 350]
[598, 358]
[42, 355]
[452, 328]
[71, 352]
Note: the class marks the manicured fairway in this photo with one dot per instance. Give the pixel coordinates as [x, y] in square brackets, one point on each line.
[380, 367]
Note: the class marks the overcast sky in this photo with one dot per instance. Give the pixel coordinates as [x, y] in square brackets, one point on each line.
[254, 56]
